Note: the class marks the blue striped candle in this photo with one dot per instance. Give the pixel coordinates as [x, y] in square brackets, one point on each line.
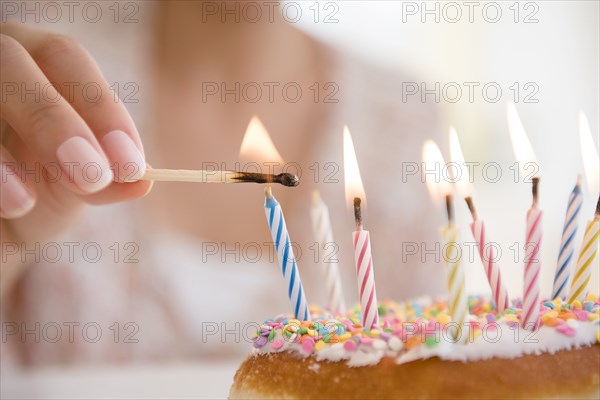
[567, 246]
[285, 255]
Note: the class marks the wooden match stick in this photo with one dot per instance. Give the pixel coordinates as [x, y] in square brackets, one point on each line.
[204, 176]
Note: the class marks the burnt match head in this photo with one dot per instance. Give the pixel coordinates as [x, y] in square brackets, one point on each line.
[287, 179]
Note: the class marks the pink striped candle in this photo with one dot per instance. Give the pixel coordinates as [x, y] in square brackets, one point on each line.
[533, 233]
[488, 257]
[486, 250]
[355, 194]
[531, 284]
[364, 272]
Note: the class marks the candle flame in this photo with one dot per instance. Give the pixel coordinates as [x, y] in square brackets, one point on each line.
[352, 179]
[257, 145]
[591, 164]
[463, 184]
[438, 186]
[521, 145]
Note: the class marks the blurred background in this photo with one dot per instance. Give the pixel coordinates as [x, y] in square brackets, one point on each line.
[169, 305]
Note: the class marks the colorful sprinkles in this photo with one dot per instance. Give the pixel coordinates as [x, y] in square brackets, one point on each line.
[406, 325]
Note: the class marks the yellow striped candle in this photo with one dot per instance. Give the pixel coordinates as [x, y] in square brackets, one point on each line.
[458, 304]
[587, 254]
[589, 247]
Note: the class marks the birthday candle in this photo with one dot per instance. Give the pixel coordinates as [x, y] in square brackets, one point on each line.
[324, 238]
[285, 255]
[533, 232]
[589, 247]
[486, 250]
[567, 246]
[458, 305]
[531, 284]
[360, 238]
[587, 254]
[492, 270]
[365, 274]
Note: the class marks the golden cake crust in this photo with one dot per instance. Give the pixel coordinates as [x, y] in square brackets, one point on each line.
[564, 374]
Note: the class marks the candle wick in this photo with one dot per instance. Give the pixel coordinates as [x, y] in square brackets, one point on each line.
[316, 198]
[357, 213]
[535, 182]
[268, 191]
[598, 208]
[471, 206]
[449, 210]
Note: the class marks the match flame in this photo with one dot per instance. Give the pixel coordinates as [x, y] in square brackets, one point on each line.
[353, 181]
[463, 184]
[257, 145]
[521, 145]
[434, 165]
[591, 164]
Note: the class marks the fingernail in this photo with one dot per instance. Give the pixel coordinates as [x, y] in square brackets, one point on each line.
[15, 199]
[85, 167]
[128, 161]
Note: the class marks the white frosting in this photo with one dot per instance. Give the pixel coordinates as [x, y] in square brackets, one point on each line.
[503, 342]
[335, 352]
[509, 343]
[361, 358]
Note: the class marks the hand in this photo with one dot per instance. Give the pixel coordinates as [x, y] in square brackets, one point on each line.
[60, 148]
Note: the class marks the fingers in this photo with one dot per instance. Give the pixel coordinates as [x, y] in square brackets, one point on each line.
[48, 124]
[103, 112]
[16, 198]
[56, 205]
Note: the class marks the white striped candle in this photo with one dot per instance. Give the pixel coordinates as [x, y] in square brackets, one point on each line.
[285, 255]
[323, 234]
[567, 245]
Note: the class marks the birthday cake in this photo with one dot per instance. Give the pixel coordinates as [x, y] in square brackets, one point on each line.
[418, 352]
